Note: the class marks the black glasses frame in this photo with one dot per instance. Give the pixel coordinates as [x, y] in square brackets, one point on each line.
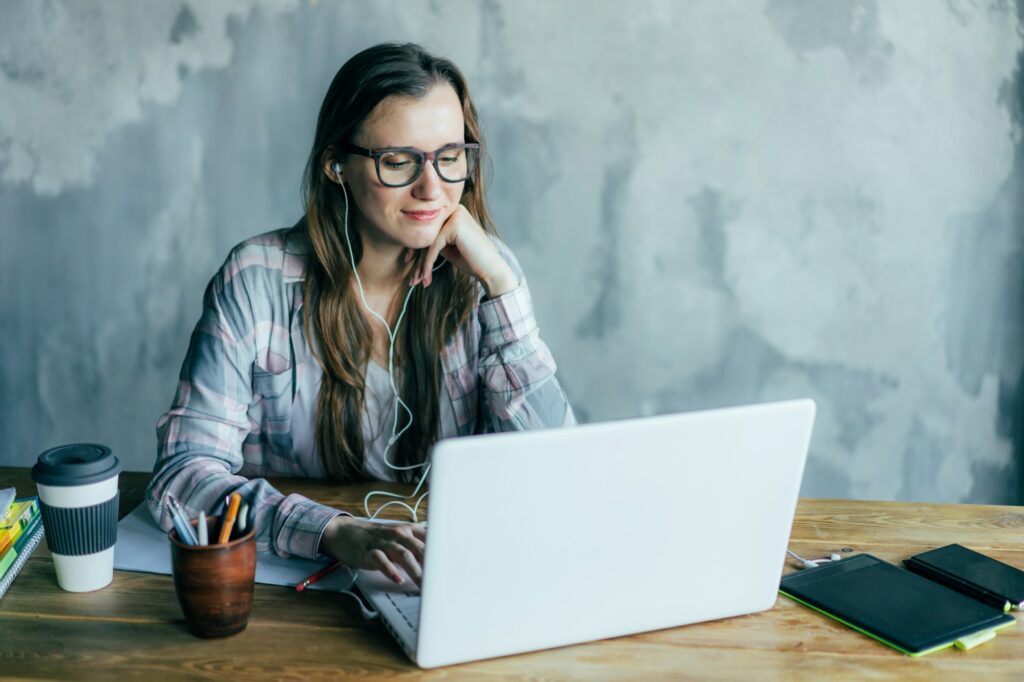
[422, 156]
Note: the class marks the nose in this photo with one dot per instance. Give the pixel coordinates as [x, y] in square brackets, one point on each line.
[428, 185]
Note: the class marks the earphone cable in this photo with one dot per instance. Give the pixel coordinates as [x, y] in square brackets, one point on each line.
[396, 433]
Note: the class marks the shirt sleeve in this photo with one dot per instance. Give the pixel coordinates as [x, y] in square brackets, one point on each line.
[517, 371]
[199, 440]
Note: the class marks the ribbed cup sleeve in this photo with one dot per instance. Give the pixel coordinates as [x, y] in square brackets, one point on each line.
[81, 530]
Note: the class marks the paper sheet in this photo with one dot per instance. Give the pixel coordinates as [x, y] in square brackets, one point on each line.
[143, 547]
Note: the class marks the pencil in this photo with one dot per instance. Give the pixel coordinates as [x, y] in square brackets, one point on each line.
[229, 518]
[316, 576]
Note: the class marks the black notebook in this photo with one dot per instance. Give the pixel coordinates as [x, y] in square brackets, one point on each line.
[972, 573]
[905, 611]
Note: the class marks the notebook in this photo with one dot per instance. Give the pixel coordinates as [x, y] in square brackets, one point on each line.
[13, 560]
[18, 516]
[898, 608]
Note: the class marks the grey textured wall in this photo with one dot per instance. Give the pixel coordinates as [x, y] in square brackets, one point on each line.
[716, 202]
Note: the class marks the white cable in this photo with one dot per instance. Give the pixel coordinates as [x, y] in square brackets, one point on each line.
[368, 613]
[422, 497]
[414, 511]
[396, 433]
[813, 563]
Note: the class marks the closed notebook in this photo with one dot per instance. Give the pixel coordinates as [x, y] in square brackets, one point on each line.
[972, 573]
[19, 514]
[902, 610]
[14, 560]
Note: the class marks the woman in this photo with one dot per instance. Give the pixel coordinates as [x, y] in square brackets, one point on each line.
[303, 365]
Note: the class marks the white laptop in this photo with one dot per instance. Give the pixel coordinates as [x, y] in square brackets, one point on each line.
[548, 538]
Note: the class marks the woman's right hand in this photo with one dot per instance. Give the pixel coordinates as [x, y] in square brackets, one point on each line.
[383, 547]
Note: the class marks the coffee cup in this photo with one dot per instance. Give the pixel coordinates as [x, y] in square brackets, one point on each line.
[78, 496]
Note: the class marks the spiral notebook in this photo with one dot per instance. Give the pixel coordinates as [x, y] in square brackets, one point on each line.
[14, 558]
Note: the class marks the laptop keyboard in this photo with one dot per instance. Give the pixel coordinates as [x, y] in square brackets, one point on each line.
[408, 606]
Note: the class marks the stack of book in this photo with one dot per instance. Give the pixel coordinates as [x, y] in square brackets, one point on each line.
[21, 529]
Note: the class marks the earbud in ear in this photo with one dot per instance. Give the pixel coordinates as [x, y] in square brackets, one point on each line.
[336, 168]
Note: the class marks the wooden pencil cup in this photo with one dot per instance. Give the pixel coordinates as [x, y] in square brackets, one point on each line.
[214, 583]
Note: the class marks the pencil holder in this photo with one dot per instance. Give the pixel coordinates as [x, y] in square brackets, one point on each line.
[214, 583]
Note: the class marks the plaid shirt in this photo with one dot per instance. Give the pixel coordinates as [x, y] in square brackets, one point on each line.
[230, 422]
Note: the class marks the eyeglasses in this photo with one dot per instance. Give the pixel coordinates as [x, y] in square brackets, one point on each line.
[401, 166]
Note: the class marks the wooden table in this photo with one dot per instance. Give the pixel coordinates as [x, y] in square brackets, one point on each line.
[134, 628]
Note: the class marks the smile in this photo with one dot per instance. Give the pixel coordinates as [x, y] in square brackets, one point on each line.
[423, 215]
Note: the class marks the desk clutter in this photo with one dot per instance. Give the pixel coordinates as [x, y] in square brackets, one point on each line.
[211, 558]
[917, 611]
[21, 530]
[213, 580]
[142, 546]
[139, 631]
[951, 596]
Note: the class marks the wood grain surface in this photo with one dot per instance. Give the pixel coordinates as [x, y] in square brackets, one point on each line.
[135, 629]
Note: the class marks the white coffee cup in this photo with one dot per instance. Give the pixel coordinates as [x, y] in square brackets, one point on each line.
[78, 496]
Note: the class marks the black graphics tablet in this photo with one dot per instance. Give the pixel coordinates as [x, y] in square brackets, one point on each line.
[905, 611]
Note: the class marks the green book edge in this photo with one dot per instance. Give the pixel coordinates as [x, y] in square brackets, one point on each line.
[10, 534]
[12, 553]
[887, 642]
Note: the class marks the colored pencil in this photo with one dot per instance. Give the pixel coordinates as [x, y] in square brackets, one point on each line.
[317, 576]
[229, 518]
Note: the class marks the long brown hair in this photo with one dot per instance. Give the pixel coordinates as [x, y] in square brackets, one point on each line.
[333, 311]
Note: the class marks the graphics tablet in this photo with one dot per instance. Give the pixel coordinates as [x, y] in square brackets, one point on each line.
[905, 611]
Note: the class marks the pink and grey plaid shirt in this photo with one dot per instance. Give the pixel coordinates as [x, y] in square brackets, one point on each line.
[230, 422]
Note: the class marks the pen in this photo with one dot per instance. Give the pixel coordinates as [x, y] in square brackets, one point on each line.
[243, 517]
[182, 532]
[316, 576]
[192, 532]
[177, 511]
[204, 534]
[229, 518]
[180, 525]
[960, 584]
[987, 596]
[969, 588]
[983, 595]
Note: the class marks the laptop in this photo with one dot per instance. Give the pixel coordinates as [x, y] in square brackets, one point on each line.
[548, 538]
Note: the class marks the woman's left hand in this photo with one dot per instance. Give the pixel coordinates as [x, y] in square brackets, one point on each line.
[464, 244]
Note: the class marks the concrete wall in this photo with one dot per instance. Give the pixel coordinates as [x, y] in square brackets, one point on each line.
[716, 202]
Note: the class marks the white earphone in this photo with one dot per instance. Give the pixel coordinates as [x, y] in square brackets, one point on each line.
[399, 403]
[395, 431]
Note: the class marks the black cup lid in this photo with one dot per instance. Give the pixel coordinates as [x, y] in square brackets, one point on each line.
[75, 464]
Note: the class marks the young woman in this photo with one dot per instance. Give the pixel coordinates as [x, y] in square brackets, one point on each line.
[389, 317]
